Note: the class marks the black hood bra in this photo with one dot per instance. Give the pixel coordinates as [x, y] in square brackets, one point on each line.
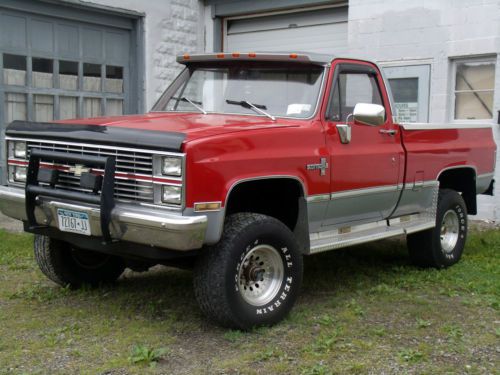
[97, 134]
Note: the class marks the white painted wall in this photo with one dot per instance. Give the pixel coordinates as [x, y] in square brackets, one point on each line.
[171, 28]
[435, 31]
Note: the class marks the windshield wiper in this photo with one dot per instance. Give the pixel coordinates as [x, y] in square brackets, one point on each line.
[195, 104]
[259, 108]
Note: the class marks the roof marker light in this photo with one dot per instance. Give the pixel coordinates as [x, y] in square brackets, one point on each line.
[186, 56]
[252, 54]
[235, 54]
[293, 55]
[220, 55]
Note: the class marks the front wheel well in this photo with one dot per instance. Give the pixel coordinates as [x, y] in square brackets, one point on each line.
[276, 197]
[462, 180]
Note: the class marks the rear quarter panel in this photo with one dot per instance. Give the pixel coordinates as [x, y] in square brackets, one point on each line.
[431, 151]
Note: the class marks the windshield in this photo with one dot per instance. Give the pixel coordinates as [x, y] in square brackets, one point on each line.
[265, 89]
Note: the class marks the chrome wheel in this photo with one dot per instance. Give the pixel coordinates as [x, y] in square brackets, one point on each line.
[260, 275]
[449, 231]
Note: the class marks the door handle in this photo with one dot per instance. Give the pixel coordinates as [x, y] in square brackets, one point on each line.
[387, 131]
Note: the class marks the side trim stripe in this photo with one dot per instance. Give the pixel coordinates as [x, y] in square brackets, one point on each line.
[430, 126]
[360, 192]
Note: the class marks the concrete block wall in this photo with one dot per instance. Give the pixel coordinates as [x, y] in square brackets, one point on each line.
[171, 27]
[433, 32]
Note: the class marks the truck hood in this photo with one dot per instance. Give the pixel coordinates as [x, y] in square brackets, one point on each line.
[192, 125]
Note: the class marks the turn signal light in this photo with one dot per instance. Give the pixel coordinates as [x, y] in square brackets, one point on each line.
[207, 206]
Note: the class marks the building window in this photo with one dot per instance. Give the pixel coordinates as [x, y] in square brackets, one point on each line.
[473, 89]
[59, 89]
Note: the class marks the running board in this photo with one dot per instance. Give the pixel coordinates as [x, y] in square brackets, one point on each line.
[354, 235]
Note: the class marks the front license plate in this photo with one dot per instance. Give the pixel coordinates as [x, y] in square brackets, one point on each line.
[73, 221]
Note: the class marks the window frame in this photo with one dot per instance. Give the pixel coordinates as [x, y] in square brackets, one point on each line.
[452, 89]
[352, 68]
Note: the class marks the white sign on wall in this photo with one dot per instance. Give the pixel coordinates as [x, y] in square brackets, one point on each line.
[407, 112]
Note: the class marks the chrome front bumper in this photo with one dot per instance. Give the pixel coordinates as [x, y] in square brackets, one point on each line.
[133, 223]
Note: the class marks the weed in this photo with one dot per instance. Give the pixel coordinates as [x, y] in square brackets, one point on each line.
[326, 341]
[234, 335]
[266, 354]
[326, 320]
[318, 369]
[379, 331]
[141, 354]
[422, 323]
[356, 308]
[453, 331]
[410, 355]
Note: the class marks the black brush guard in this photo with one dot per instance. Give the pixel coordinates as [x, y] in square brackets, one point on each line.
[105, 199]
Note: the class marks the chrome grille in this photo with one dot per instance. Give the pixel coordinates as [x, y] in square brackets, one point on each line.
[127, 161]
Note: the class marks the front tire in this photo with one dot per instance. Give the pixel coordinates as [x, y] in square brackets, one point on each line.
[252, 276]
[67, 265]
[443, 245]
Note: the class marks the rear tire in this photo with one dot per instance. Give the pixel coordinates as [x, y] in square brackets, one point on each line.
[252, 276]
[67, 265]
[441, 246]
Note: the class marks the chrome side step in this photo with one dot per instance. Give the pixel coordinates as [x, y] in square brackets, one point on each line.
[349, 236]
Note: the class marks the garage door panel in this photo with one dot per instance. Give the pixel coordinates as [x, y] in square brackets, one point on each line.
[13, 32]
[42, 36]
[116, 47]
[92, 44]
[67, 41]
[283, 21]
[322, 38]
[322, 30]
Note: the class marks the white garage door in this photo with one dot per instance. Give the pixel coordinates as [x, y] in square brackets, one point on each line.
[320, 30]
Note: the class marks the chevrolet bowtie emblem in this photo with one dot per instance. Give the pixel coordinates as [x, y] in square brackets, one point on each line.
[322, 166]
[78, 170]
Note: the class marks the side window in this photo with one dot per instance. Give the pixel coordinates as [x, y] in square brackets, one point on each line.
[351, 89]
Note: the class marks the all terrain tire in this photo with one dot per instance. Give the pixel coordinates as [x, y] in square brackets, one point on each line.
[252, 276]
[441, 246]
[67, 265]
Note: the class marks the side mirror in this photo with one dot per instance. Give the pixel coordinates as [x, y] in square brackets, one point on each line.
[369, 114]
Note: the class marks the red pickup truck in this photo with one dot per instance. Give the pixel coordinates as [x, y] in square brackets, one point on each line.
[246, 163]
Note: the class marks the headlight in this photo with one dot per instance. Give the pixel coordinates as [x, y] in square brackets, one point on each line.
[17, 173]
[171, 194]
[171, 166]
[19, 149]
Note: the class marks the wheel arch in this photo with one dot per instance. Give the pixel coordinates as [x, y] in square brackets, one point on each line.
[462, 179]
[280, 196]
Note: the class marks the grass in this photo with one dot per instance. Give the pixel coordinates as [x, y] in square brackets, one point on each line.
[362, 310]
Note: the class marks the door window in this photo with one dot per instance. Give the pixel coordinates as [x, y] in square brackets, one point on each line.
[351, 89]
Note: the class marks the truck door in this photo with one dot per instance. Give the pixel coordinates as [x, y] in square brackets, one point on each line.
[366, 169]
